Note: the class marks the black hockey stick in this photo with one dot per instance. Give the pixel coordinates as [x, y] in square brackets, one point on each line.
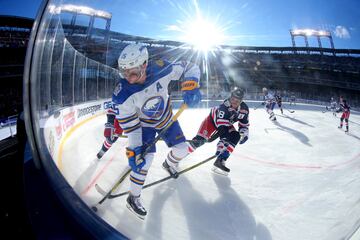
[127, 170]
[111, 196]
[290, 111]
[326, 109]
[261, 104]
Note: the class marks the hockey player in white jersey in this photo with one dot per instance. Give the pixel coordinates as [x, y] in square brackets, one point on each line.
[333, 106]
[269, 102]
[145, 109]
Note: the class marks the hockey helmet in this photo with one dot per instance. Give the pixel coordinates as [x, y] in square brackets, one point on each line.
[264, 90]
[238, 93]
[132, 56]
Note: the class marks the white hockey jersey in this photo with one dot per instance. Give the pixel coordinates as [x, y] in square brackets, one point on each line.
[148, 104]
[269, 98]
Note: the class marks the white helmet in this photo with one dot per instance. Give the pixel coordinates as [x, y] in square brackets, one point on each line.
[133, 55]
[264, 90]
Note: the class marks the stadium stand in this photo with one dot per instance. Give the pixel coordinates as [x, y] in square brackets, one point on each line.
[14, 36]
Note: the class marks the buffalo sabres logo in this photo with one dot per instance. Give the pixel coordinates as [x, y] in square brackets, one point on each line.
[153, 107]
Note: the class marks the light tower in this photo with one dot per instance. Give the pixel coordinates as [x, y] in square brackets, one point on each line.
[86, 38]
[92, 13]
[311, 33]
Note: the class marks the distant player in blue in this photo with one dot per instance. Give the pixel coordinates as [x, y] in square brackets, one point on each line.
[278, 99]
[145, 109]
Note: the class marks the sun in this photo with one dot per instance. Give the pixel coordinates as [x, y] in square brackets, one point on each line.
[203, 35]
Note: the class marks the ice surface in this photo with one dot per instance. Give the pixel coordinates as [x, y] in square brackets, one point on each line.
[297, 178]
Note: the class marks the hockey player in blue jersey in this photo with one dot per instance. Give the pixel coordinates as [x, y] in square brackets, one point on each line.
[278, 100]
[220, 124]
[145, 109]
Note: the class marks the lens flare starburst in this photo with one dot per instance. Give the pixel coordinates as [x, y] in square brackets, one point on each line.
[203, 34]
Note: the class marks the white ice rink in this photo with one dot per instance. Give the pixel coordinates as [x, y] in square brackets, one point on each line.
[6, 132]
[297, 178]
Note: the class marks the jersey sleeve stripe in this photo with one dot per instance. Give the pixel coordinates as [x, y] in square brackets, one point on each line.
[191, 79]
[133, 128]
[136, 181]
[128, 119]
[222, 122]
[244, 124]
[165, 121]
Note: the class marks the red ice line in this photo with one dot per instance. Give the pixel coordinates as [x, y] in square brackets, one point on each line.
[94, 180]
[285, 165]
[298, 202]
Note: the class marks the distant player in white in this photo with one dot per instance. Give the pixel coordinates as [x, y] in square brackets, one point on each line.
[333, 106]
[269, 102]
[145, 109]
[292, 100]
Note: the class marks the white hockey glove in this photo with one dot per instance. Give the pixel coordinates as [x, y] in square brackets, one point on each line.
[244, 135]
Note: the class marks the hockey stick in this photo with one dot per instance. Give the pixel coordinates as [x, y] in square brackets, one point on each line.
[261, 104]
[111, 196]
[127, 170]
[326, 109]
[290, 111]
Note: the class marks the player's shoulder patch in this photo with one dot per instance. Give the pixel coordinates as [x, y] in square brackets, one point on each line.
[160, 62]
[117, 89]
[120, 93]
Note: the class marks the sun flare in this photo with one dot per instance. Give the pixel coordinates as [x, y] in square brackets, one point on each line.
[203, 35]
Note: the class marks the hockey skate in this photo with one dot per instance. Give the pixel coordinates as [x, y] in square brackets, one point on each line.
[171, 170]
[134, 205]
[272, 118]
[220, 168]
[100, 154]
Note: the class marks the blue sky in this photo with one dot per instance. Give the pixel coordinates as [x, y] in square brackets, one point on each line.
[246, 23]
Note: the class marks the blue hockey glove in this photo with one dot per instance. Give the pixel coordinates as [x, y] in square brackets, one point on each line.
[244, 135]
[190, 92]
[136, 162]
[192, 97]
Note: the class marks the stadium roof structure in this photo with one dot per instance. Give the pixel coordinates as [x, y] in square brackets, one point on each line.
[16, 22]
[311, 33]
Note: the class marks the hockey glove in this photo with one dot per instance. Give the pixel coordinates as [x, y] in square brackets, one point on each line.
[192, 98]
[190, 92]
[136, 162]
[263, 103]
[109, 131]
[244, 135]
